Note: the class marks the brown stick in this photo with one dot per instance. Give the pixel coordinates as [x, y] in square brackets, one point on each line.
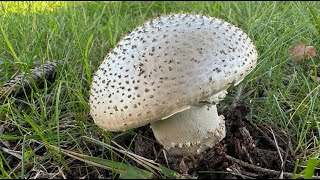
[266, 137]
[263, 170]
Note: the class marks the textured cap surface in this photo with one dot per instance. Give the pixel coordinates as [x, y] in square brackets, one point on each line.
[164, 66]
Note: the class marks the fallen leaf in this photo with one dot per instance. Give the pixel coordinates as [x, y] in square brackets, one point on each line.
[301, 51]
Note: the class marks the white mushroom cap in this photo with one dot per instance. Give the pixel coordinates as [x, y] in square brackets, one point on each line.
[167, 65]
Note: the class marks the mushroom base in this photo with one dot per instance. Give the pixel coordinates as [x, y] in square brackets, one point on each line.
[191, 131]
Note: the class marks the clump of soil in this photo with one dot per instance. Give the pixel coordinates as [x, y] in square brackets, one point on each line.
[247, 150]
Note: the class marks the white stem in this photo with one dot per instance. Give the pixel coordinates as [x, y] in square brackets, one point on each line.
[191, 131]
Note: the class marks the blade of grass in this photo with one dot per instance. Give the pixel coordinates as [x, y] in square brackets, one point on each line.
[131, 172]
[169, 173]
[311, 164]
[272, 49]
[7, 137]
[316, 20]
[23, 157]
[295, 175]
[141, 160]
[113, 148]
[57, 112]
[2, 158]
[47, 144]
[132, 154]
[301, 104]
[85, 59]
[9, 44]
[4, 173]
[16, 154]
[126, 171]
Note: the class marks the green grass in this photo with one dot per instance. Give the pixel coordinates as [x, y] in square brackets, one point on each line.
[80, 34]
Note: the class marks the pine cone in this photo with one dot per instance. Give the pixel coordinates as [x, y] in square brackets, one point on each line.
[24, 81]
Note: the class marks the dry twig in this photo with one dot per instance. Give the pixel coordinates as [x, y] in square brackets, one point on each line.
[263, 170]
[270, 141]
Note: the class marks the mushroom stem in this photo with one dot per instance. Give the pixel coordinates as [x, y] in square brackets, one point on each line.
[191, 131]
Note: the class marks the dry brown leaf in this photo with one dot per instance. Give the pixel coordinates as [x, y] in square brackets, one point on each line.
[301, 51]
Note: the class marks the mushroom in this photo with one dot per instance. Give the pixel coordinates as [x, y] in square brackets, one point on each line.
[171, 72]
